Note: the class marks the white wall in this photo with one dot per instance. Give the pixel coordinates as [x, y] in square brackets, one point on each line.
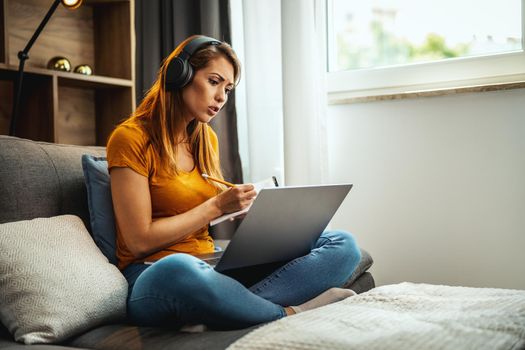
[439, 192]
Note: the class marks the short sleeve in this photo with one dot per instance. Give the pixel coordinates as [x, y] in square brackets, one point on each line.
[127, 147]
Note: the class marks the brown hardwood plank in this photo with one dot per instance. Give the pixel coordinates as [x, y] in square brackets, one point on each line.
[3, 32]
[78, 80]
[76, 116]
[72, 79]
[54, 96]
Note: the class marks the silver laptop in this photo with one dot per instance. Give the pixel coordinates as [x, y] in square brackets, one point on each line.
[282, 224]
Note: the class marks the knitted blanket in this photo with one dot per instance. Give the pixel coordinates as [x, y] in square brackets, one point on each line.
[403, 316]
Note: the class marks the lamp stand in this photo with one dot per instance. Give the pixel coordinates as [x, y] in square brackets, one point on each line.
[22, 57]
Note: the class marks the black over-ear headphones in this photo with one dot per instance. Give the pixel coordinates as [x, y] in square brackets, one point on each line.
[180, 71]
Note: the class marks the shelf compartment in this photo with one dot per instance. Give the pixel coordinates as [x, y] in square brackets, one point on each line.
[75, 118]
[112, 38]
[67, 107]
[88, 116]
[97, 33]
[36, 118]
[68, 33]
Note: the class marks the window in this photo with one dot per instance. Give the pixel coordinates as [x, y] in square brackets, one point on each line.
[387, 46]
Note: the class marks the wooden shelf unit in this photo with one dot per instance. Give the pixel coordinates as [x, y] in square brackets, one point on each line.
[66, 107]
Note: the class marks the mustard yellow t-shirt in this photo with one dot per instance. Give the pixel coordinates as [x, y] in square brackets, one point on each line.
[171, 195]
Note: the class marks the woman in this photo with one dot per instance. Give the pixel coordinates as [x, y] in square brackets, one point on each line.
[163, 206]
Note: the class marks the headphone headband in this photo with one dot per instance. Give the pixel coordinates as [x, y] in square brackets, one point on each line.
[190, 48]
[180, 71]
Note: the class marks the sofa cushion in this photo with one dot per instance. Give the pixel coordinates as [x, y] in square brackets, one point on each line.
[54, 281]
[40, 179]
[364, 264]
[100, 204]
[362, 284]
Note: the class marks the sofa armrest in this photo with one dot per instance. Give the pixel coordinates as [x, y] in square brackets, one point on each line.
[364, 265]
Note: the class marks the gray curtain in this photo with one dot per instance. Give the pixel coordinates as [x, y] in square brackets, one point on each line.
[160, 25]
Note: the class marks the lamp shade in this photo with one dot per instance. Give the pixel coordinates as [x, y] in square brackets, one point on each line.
[71, 4]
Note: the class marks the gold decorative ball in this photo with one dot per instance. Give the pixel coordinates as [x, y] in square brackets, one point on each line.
[84, 69]
[59, 63]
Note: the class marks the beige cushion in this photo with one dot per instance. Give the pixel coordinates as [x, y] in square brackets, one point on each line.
[54, 281]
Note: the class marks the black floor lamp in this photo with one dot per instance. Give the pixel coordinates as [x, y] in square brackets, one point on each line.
[23, 56]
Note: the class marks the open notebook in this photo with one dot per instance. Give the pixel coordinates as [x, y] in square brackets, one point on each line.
[267, 183]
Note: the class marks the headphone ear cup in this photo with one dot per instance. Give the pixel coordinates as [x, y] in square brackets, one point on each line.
[178, 74]
[187, 75]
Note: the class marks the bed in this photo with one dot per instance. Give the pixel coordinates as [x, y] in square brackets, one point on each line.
[403, 316]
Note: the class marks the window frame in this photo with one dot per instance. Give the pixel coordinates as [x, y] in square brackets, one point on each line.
[423, 76]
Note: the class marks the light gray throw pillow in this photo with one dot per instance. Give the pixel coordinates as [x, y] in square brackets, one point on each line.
[54, 281]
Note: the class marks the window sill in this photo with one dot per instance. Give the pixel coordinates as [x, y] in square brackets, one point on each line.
[496, 83]
[363, 97]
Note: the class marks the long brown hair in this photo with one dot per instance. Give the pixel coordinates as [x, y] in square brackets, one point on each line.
[161, 113]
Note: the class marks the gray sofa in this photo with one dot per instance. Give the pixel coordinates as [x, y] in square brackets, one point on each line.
[39, 179]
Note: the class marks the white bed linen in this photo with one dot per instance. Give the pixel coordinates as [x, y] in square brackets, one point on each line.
[403, 316]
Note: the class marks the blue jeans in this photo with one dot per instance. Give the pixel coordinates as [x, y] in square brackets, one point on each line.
[181, 289]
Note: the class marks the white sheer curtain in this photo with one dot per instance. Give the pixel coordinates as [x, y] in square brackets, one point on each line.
[256, 37]
[304, 91]
[281, 103]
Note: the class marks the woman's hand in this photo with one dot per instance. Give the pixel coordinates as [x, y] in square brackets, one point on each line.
[235, 198]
